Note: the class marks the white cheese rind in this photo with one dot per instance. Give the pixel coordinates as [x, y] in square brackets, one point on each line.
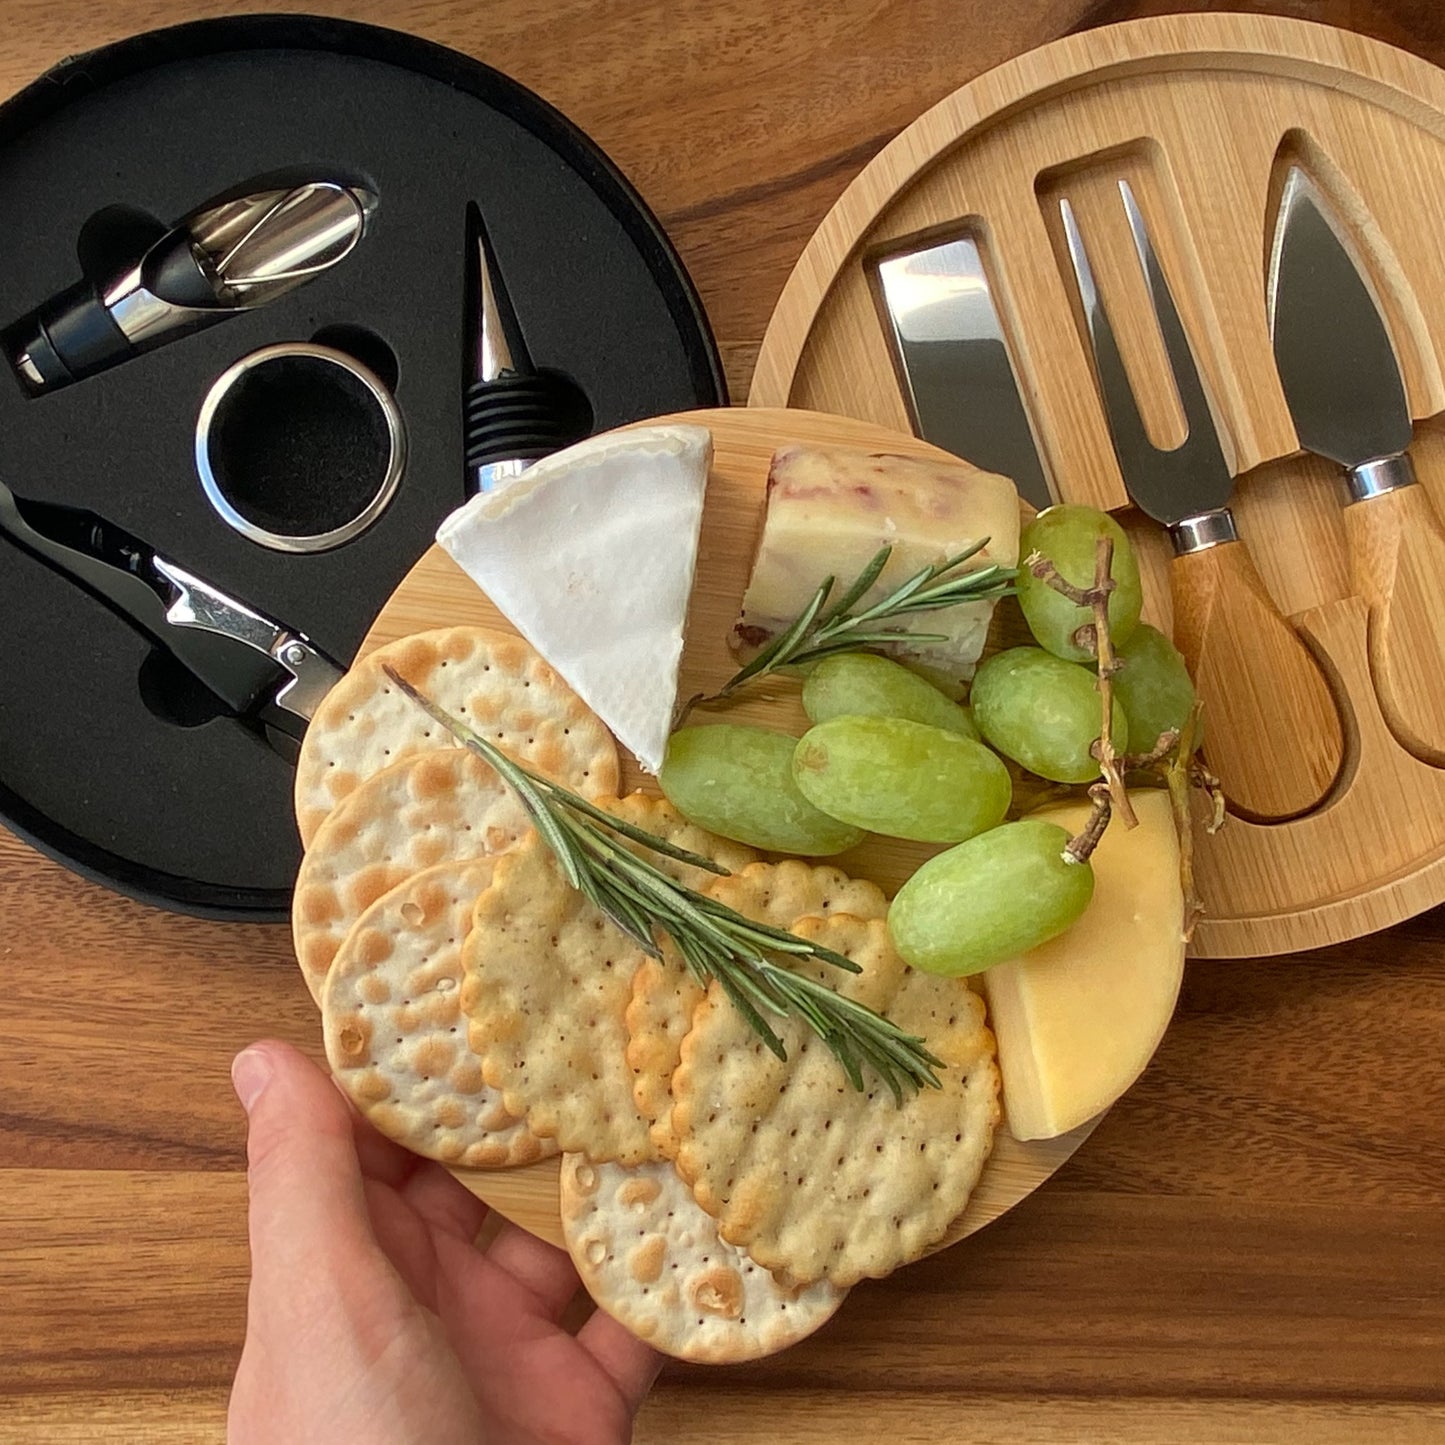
[590, 554]
[828, 513]
[1078, 1018]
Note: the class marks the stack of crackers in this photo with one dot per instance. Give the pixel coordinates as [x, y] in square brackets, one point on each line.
[480, 1011]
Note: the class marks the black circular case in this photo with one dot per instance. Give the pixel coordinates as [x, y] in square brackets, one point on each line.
[192, 815]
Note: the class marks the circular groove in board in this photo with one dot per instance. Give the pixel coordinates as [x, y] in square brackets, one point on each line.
[1201, 113]
[436, 592]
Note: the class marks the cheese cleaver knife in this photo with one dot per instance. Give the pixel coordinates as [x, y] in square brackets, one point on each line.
[1342, 381]
[962, 392]
[1272, 730]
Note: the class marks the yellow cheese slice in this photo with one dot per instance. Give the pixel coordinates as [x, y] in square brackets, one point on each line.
[1078, 1018]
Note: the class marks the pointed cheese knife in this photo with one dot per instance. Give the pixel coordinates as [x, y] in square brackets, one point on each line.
[1342, 381]
[1272, 731]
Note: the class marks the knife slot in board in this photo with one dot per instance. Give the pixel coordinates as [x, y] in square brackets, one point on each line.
[1408, 326]
[1091, 186]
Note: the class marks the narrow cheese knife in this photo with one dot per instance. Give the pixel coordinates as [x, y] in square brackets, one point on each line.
[1342, 381]
[962, 391]
[1272, 730]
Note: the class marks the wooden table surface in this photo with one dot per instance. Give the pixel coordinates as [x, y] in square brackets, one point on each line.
[1251, 1247]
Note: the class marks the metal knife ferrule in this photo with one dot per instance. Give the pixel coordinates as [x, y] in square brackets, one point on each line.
[1383, 474]
[1207, 529]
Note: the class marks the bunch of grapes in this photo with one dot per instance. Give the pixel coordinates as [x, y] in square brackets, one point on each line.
[890, 753]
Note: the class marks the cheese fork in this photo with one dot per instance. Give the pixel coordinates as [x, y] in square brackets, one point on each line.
[1272, 730]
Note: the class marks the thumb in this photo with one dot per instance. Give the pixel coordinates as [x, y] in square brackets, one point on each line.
[307, 1202]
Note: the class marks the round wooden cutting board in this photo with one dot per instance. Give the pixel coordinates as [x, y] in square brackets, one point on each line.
[437, 594]
[1202, 115]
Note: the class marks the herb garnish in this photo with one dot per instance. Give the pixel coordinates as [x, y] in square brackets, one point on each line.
[816, 634]
[716, 941]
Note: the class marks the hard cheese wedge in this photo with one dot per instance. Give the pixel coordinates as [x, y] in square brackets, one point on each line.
[1078, 1018]
[590, 553]
[829, 512]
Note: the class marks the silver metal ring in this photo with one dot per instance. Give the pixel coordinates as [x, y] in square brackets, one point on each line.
[375, 505]
[1204, 529]
[1383, 474]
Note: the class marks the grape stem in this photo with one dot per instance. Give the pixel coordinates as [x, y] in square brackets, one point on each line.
[1183, 772]
[1095, 636]
[1083, 843]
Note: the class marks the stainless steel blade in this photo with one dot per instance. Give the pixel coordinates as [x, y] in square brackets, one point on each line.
[962, 390]
[1336, 362]
[1194, 478]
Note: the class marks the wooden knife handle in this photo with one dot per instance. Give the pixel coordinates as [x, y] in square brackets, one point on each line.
[1397, 557]
[1272, 731]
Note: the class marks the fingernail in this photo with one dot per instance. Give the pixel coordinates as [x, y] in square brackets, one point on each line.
[250, 1073]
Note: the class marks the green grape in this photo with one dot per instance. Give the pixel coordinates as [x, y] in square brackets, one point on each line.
[1043, 713]
[1068, 536]
[989, 899]
[902, 778]
[738, 782]
[1153, 687]
[861, 684]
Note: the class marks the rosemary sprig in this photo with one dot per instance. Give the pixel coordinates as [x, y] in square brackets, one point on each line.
[817, 633]
[715, 941]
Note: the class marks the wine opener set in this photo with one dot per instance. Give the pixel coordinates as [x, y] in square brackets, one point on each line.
[231, 435]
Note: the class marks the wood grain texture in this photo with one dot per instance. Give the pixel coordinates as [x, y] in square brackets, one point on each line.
[1397, 553]
[1249, 1249]
[437, 593]
[1273, 735]
[1202, 114]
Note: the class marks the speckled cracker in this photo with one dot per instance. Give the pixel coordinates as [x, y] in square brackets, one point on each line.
[782, 893]
[492, 681]
[395, 1033]
[413, 815]
[653, 1259]
[814, 1179]
[664, 994]
[548, 979]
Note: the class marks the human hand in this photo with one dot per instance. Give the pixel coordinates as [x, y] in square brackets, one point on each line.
[373, 1316]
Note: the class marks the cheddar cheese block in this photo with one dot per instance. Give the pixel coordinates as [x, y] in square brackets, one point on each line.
[828, 514]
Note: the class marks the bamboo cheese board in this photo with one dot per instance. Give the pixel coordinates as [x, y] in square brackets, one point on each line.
[436, 593]
[1201, 115]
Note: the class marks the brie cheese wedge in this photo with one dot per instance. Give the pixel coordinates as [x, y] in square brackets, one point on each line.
[590, 554]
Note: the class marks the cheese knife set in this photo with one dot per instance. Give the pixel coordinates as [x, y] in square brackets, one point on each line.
[260, 340]
[1187, 269]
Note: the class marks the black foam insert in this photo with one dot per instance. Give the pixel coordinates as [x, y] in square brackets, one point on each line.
[107, 758]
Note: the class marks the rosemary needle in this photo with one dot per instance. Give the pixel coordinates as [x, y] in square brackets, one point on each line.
[715, 941]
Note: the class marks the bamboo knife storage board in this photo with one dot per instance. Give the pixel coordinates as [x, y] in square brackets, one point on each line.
[1202, 115]
[436, 593]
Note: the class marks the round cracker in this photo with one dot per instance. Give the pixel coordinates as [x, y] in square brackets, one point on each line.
[395, 1034]
[492, 681]
[653, 1259]
[426, 809]
[665, 993]
[813, 1178]
[548, 979]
